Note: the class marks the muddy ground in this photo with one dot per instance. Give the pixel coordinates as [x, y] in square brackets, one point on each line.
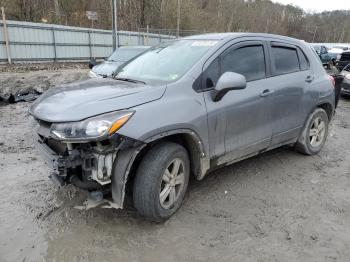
[279, 206]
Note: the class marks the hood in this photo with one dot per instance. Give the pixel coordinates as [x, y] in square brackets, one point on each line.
[106, 68]
[77, 101]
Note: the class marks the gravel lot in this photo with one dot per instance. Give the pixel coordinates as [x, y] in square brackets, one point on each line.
[279, 206]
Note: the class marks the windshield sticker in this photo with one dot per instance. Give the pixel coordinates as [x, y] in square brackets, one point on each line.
[204, 43]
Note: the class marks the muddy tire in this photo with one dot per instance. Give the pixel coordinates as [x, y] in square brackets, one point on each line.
[314, 134]
[161, 181]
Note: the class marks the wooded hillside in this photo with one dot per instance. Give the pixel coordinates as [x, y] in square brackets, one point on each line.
[201, 15]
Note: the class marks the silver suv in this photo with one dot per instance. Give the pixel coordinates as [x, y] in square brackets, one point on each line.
[182, 109]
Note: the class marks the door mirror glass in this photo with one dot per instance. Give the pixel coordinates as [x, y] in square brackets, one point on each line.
[228, 81]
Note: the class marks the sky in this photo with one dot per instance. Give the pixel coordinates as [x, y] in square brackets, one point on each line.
[318, 5]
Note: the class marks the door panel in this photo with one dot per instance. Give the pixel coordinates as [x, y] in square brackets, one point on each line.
[292, 76]
[243, 117]
[288, 111]
[241, 122]
[249, 118]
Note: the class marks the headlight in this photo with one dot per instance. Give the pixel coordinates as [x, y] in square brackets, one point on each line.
[338, 57]
[92, 74]
[347, 76]
[93, 128]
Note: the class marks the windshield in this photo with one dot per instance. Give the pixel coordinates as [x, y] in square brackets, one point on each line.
[166, 62]
[124, 54]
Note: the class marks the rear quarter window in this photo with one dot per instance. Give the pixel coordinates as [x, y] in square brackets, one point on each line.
[304, 62]
[285, 59]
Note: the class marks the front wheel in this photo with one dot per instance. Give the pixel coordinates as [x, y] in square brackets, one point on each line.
[314, 134]
[161, 181]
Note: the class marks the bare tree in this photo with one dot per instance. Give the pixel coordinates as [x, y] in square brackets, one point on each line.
[203, 15]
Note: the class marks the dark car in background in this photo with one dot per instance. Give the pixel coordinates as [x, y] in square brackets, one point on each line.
[344, 60]
[345, 88]
[115, 60]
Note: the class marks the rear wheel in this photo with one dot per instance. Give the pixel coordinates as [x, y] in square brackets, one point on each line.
[161, 181]
[314, 134]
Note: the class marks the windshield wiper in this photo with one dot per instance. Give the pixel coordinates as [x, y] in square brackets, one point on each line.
[130, 80]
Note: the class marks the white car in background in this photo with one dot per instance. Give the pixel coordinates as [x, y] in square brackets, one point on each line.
[336, 51]
[115, 60]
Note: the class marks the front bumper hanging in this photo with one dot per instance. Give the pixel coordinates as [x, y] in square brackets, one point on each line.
[91, 166]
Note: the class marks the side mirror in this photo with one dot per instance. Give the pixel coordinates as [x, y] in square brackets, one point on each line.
[228, 81]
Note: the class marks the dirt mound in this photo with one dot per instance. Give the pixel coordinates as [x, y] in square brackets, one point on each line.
[26, 86]
[26, 67]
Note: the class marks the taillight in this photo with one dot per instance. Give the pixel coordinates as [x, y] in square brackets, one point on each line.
[332, 80]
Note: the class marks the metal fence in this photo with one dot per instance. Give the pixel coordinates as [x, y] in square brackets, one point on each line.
[47, 42]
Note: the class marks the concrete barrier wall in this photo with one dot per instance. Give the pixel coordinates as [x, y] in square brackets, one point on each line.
[38, 42]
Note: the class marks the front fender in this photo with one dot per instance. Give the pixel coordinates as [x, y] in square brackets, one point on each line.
[189, 132]
[179, 109]
[121, 170]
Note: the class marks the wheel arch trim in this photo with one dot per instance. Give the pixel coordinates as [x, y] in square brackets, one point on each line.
[200, 165]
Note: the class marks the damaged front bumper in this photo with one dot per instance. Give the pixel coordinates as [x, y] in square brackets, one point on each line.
[103, 165]
[55, 162]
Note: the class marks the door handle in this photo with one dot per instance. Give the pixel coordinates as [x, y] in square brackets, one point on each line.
[309, 78]
[266, 92]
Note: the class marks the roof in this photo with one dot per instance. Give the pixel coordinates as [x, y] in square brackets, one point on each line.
[212, 36]
[222, 36]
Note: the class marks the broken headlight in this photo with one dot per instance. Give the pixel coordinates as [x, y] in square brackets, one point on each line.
[93, 128]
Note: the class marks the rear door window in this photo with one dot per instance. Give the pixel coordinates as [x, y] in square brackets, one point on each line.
[285, 59]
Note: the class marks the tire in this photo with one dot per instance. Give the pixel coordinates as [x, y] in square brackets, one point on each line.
[152, 180]
[305, 143]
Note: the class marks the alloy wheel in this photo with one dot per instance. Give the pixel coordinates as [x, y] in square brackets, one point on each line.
[317, 132]
[172, 183]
